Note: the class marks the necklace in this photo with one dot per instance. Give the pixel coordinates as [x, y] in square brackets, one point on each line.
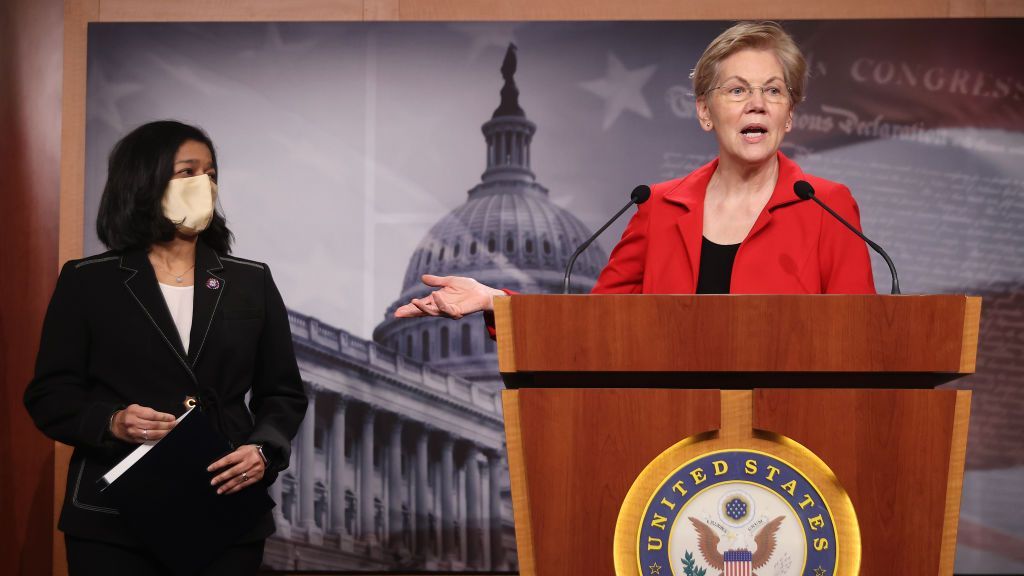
[179, 278]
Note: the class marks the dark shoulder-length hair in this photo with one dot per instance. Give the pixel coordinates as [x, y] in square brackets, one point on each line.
[140, 166]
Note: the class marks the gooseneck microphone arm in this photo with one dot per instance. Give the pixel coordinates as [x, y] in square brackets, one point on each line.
[805, 191]
[639, 195]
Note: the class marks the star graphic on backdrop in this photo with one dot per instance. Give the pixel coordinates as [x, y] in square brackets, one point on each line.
[107, 94]
[275, 44]
[819, 571]
[622, 89]
[188, 74]
[655, 568]
[483, 36]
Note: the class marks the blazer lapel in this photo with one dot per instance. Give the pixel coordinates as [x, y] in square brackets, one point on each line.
[141, 283]
[690, 195]
[210, 286]
[783, 194]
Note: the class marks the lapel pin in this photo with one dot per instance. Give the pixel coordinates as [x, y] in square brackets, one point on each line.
[212, 283]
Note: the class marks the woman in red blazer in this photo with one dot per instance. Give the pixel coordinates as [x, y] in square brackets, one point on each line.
[734, 225]
[791, 247]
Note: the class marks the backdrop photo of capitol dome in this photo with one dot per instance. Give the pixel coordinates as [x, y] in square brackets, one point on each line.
[356, 156]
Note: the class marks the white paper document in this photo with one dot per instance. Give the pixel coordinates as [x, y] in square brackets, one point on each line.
[136, 455]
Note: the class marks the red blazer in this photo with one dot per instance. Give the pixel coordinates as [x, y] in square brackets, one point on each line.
[794, 246]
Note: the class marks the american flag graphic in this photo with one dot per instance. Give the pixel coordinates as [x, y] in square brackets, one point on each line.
[737, 563]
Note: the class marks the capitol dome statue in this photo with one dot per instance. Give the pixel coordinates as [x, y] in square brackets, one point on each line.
[507, 234]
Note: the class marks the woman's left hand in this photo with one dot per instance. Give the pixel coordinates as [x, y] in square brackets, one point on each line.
[240, 469]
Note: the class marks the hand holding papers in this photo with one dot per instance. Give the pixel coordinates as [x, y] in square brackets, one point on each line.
[136, 454]
[168, 480]
[139, 424]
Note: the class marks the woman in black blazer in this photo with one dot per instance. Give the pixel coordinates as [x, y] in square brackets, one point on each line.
[164, 320]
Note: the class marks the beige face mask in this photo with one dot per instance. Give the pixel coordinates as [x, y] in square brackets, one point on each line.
[189, 203]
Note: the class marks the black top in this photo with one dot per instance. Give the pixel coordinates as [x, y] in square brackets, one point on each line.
[715, 271]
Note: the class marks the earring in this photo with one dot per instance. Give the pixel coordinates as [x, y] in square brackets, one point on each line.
[708, 124]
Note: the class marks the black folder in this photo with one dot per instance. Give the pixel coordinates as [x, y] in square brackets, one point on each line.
[166, 499]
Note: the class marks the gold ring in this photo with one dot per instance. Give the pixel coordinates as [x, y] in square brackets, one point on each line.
[245, 476]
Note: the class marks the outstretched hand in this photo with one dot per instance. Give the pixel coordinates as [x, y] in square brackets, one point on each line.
[457, 296]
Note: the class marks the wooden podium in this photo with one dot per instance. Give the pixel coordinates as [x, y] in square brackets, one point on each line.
[599, 386]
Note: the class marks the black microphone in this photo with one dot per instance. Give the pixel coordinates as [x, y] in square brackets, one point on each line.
[639, 195]
[805, 191]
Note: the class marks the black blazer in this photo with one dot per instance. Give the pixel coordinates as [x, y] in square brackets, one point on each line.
[108, 341]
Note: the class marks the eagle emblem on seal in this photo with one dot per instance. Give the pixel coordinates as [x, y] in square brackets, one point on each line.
[740, 557]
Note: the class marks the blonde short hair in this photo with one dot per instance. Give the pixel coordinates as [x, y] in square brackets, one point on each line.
[756, 36]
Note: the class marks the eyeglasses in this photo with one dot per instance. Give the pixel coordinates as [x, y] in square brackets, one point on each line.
[743, 92]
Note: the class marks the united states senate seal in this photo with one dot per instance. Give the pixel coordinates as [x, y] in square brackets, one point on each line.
[704, 508]
[737, 513]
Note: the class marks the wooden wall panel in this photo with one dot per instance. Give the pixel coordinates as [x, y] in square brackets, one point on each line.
[966, 8]
[382, 10]
[1001, 9]
[671, 9]
[234, 10]
[30, 60]
[72, 159]
[299, 10]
